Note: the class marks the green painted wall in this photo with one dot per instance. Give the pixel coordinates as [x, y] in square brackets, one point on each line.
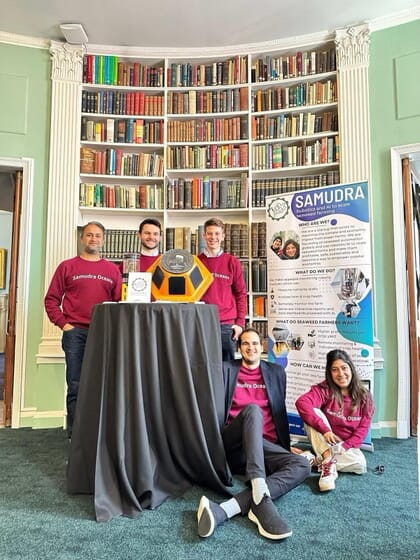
[25, 94]
[395, 121]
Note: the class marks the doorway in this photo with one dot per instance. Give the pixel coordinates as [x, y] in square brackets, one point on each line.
[16, 186]
[406, 264]
[6, 227]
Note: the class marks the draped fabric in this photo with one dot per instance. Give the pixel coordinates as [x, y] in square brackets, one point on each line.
[150, 407]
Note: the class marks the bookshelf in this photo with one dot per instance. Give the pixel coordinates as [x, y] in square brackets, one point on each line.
[184, 140]
[294, 121]
[121, 141]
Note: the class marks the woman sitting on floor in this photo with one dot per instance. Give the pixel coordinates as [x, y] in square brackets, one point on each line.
[337, 414]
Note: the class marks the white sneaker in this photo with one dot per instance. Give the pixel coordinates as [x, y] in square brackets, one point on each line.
[328, 475]
[311, 458]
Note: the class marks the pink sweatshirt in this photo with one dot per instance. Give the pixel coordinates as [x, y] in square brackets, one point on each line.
[350, 426]
[228, 290]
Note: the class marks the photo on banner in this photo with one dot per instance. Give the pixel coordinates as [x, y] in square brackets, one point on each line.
[319, 293]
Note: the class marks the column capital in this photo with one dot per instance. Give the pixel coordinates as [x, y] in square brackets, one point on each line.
[67, 61]
[352, 44]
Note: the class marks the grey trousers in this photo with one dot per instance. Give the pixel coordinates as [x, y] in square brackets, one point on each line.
[250, 454]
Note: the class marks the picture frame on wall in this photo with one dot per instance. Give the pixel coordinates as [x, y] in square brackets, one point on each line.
[3, 254]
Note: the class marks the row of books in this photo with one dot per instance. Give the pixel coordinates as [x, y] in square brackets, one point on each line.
[203, 192]
[97, 195]
[139, 131]
[184, 237]
[211, 101]
[113, 71]
[259, 275]
[236, 240]
[306, 153]
[116, 162]
[127, 131]
[298, 95]
[302, 63]
[118, 242]
[261, 188]
[208, 130]
[267, 127]
[207, 157]
[258, 239]
[223, 194]
[131, 103]
[227, 72]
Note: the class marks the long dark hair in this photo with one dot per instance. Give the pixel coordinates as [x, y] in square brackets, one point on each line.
[295, 245]
[357, 391]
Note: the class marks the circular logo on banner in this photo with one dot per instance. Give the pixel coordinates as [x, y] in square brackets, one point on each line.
[278, 208]
[177, 261]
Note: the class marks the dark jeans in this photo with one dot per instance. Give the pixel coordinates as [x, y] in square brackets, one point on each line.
[249, 453]
[228, 345]
[73, 343]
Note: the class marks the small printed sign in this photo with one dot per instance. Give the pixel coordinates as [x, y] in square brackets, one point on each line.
[139, 287]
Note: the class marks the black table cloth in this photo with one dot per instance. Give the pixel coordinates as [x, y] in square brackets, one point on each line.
[150, 407]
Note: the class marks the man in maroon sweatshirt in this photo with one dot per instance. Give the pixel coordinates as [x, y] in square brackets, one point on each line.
[77, 285]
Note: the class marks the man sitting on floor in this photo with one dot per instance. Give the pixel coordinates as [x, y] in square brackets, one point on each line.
[257, 443]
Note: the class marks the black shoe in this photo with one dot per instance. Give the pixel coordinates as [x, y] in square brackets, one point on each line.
[209, 516]
[268, 520]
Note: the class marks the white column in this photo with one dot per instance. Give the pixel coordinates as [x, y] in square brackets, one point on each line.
[61, 242]
[352, 46]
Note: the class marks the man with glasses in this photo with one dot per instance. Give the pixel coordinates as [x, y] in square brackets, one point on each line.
[257, 443]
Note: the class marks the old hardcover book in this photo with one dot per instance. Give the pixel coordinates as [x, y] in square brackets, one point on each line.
[188, 194]
[244, 241]
[110, 130]
[87, 160]
[235, 239]
[83, 129]
[169, 238]
[187, 238]
[255, 276]
[254, 239]
[179, 237]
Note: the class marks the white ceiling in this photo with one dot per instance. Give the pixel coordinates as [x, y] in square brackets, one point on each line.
[191, 23]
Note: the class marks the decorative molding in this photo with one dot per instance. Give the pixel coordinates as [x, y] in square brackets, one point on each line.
[24, 41]
[353, 84]
[50, 350]
[352, 45]
[67, 61]
[289, 43]
[406, 16]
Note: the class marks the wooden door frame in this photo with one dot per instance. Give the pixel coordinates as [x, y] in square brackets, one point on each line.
[401, 290]
[26, 166]
[412, 262]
